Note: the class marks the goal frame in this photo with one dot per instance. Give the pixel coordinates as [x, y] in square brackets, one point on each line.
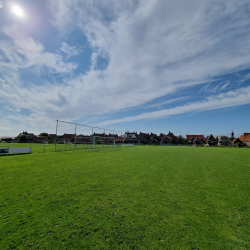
[77, 138]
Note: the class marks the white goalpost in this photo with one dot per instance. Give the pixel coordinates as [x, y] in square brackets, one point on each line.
[73, 136]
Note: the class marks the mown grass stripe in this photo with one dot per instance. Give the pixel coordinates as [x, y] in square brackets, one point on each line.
[132, 198]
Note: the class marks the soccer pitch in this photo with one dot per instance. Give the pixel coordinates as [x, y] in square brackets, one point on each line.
[142, 197]
[44, 148]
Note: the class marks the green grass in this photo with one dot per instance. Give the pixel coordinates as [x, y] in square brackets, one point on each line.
[130, 198]
[43, 148]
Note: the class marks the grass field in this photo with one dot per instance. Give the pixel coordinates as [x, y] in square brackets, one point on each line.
[43, 148]
[129, 198]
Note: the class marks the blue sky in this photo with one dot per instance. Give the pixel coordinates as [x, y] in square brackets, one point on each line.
[149, 66]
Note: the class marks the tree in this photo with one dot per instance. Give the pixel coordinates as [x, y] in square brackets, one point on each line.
[174, 141]
[23, 138]
[7, 139]
[43, 134]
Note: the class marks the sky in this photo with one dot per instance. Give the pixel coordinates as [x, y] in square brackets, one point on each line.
[145, 66]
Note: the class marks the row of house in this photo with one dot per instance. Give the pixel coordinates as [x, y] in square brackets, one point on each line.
[146, 138]
[99, 138]
[170, 138]
[32, 138]
[244, 139]
[139, 138]
[65, 138]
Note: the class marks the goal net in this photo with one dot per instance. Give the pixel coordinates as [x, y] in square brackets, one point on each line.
[84, 142]
[72, 136]
[101, 142]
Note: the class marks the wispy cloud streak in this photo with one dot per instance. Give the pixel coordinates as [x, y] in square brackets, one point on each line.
[229, 99]
[70, 51]
[166, 102]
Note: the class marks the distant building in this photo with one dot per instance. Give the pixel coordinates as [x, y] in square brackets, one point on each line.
[245, 138]
[128, 135]
[30, 136]
[52, 137]
[224, 141]
[154, 139]
[232, 135]
[161, 136]
[181, 140]
[196, 139]
[211, 140]
[166, 140]
[143, 138]
[172, 136]
[236, 140]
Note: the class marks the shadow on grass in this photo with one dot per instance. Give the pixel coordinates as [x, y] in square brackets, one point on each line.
[15, 154]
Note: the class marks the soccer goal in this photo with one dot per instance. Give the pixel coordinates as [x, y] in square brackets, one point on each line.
[73, 136]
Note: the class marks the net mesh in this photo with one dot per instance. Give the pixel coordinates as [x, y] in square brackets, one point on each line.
[72, 136]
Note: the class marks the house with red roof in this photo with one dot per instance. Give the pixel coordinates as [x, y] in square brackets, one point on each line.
[85, 139]
[143, 138]
[153, 138]
[30, 136]
[112, 135]
[245, 138]
[69, 137]
[120, 140]
[172, 136]
[236, 140]
[100, 135]
[41, 139]
[196, 139]
[52, 137]
[181, 139]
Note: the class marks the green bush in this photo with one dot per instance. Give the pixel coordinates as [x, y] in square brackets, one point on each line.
[6, 140]
[23, 138]
[43, 134]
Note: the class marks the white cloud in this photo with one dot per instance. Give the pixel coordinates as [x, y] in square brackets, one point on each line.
[25, 52]
[166, 102]
[1, 4]
[70, 51]
[152, 47]
[215, 88]
[229, 99]
[1, 80]
[159, 46]
[13, 124]
[244, 79]
[224, 86]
